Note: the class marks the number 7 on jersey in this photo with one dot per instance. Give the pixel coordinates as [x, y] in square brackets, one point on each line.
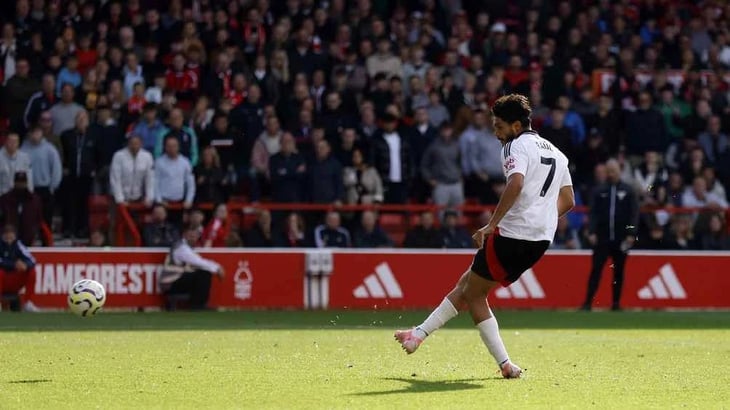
[551, 174]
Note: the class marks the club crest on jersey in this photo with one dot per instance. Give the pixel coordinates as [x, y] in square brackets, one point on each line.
[509, 164]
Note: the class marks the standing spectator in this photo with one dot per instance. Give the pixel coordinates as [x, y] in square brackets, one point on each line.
[331, 234]
[174, 178]
[293, 233]
[361, 181]
[45, 122]
[109, 139]
[132, 73]
[370, 235]
[22, 208]
[714, 142]
[392, 158]
[210, 178]
[218, 229]
[182, 81]
[226, 141]
[65, 111]
[132, 175]
[614, 218]
[40, 101]
[69, 74]
[481, 161]
[288, 172]
[267, 144]
[148, 127]
[185, 136]
[261, 234]
[325, 177]
[453, 235]
[566, 237]
[45, 162]
[79, 169]
[348, 143]
[17, 268]
[440, 167]
[560, 135]
[425, 235]
[649, 176]
[384, 61]
[13, 160]
[160, 232]
[18, 89]
[571, 120]
[437, 112]
[645, 128]
[716, 239]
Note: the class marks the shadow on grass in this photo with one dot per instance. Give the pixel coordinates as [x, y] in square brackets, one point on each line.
[382, 320]
[415, 385]
[30, 381]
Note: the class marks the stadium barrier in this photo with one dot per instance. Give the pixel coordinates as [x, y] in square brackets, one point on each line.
[383, 279]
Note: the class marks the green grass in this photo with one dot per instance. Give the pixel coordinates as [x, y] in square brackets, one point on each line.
[348, 359]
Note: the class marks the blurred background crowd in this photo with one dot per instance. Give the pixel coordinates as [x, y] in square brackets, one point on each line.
[168, 105]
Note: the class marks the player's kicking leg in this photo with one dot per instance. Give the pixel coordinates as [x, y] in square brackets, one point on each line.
[448, 309]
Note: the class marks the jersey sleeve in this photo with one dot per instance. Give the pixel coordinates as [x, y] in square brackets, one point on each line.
[567, 179]
[514, 158]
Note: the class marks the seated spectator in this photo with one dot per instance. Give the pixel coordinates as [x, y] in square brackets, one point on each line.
[216, 232]
[20, 207]
[565, 236]
[97, 239]
[681, 235]
[425, 235]
[716, 239]
[293, 234]
[713, 142]
[453, 235]
[13, 160]
[437, 112]
[370, 235]
[331, 234]
[655, 239]
[362, 182]
[288, 172]
[69, 74]
[174, 176]
[131, 177]
[348, 143]
[195, 280]
[196, 220]
[441, 168]
[325, 177]
[148, 127]
[260, 235]
[185, 136]
[714, 186]
[160, 232]
[697, 196]
[673, 192]
[45, 161]
[210, 178]
[693, 165]
[16, 268]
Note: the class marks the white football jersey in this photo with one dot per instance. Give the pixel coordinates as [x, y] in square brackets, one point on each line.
[534, 215]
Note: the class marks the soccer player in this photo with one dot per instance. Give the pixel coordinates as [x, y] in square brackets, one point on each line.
[539, 190]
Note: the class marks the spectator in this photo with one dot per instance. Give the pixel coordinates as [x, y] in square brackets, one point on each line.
[45, 122]
[266, 145]
[331, 234]
[132, 73]
[714, 142]
[195, 280]
[131, 176]
[182, 81]
[69, 74]
[148, 127]
[210, 178]
[81, 153]
[325, 177]
[425, 235]
[384, 61]
[593, 151]
[40, 101]
[13, 160]
[674, 111]
[714, 186]
[452, 235]
[698, 197]
[437, 112]
[22, 208]
[174, 176]
[218, 229]
[226, 141]
[261, 234]
[440, 167]
[481, 162]
[109, 139]
[649, 176]
[160, 232]
[361, 181]
[682, 236]
[571, 120]
[566, 237]
[97, 239]
[288, 172]
[185, 136]
[369, 234]
[293, 233]
[348, 143]
[45, 162]
[645, 128]
[18, 90]
[422, 133]
[335, 117]
[556, 132]
[196, 220]
[65, 111]
[392, 159]
[17, 268]
[716, 239]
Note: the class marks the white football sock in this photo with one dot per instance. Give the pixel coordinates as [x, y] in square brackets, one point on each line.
[489, 331]
[442, 314]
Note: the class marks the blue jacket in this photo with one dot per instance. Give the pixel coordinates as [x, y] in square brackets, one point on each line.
[12, 252]
[148, 133]
[67, 77]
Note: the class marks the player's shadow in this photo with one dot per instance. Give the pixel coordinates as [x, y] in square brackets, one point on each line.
[30, 381]
[425, 386]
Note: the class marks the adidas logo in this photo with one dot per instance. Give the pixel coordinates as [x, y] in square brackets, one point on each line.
[379, 285]
[665, 285]
[526, 287]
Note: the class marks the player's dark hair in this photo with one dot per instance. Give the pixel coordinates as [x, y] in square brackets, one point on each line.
[511, 108]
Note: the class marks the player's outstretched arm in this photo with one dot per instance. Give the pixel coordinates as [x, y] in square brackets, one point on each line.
[566, 200]
[512, 191]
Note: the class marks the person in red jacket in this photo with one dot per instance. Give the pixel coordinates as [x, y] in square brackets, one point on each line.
[183, 81]
[16, 268]
[217, 230]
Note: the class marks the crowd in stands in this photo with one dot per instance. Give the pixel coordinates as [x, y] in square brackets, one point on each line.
[184, 102]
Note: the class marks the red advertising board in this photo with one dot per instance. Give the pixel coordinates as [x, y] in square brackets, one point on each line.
[387, 279]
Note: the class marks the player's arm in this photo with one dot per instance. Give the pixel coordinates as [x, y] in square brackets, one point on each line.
[566, 196]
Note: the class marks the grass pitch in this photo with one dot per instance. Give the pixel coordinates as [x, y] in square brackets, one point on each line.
[345, 359]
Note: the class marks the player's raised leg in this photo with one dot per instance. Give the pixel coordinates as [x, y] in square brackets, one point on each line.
[475, 294]
[448, 309]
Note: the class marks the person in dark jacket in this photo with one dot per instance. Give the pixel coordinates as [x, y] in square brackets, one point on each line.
[16, 268]
[160, 232]
[370, 235]
[425, 235]
[396, 174]
[261, 234]
[293, 234]
[325, 177]
[452, 235]
[22, 208]
[210, 178]
[18, 89]
[614, 218]
[41, 101]
[331, 234]
[287, 170]
[109, 139]
[81, 162]
[646, 128]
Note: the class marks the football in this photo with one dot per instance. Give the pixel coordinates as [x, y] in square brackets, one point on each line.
[86, 297]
